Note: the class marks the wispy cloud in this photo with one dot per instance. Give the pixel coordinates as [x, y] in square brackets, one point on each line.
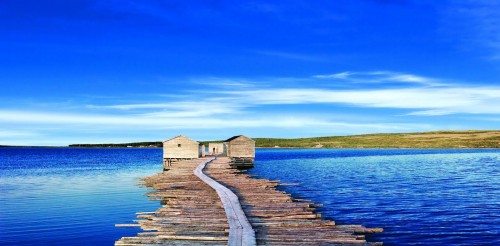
[277, 106]
[380, 77]
[435, 101]
[342, 75]
[225, 82]
[422, 96]
[176, 109]
[125, 121]
[17, 133]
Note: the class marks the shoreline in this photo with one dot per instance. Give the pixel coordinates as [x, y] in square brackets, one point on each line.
[465, 139]
[439, 139]
[367, 148]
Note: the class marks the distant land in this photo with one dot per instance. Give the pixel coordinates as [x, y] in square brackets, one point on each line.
[434, 139]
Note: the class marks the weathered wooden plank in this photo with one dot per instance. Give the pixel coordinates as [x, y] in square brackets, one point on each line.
[200, 238]
[279, 219]
[241, 232]
[194, 213]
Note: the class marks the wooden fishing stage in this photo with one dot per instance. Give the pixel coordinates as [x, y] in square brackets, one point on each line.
[207, 202]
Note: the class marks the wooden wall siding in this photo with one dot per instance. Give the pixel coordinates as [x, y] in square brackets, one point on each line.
[241, 147]
[202, 150]
[188, 148]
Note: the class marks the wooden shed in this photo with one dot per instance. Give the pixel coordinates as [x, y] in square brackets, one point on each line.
[217, 149]
[241, 150]
[180, 148]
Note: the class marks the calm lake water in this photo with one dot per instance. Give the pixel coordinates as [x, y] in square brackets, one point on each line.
[72, 196]
[419, 197]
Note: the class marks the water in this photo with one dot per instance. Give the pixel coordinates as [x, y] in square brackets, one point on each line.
[68, 196]
[419, 197]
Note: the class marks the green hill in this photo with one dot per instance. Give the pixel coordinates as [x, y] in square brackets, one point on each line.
[436, 139]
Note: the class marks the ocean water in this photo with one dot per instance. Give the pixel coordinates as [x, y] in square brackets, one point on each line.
[75, 196]
[72, 196]
[419, 197]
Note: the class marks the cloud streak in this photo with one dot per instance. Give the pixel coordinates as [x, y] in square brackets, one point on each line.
[17, 133]
[435, 101]
[175, 109]
[126, 121]
[420, 95]
[380, 77]
[306, 109]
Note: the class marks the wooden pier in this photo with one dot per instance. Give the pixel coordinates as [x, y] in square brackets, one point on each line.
[207, 202]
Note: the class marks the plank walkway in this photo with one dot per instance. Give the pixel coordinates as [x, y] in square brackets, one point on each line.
[278, 219]
[201, 210]
[240, 230]
[192, 213]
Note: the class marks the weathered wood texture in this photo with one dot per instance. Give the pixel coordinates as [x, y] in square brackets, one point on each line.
[192, 213]
[181, 147]
[240, 146]
[240, 230]
[277, 218]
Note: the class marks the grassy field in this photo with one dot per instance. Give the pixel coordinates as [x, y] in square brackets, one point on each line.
[437, 139]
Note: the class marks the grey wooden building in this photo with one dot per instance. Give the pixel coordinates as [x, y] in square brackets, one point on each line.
[180, 148]
[241, 150]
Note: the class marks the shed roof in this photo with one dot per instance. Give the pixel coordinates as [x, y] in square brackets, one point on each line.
[235, 137]
[180, 136]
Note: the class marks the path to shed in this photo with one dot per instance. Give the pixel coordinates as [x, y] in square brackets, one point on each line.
[240, 230]
[207, 202]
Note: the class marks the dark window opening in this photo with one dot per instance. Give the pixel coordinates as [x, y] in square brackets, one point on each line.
[179, 145]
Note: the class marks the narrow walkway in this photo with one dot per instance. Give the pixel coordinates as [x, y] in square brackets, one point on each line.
[206, 202]
[192, 212]
[240, 230]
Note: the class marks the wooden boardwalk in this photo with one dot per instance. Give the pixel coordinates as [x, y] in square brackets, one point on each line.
[240, 230]
[278, 219]
[193, 213]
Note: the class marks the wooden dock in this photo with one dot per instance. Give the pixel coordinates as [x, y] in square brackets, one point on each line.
[206, 202]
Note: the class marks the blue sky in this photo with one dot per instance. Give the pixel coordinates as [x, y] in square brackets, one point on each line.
[88, 71]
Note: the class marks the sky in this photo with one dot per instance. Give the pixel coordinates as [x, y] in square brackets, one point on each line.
[109, 71]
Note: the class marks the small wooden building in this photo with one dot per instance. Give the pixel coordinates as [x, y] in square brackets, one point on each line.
[241, 150]
[202, 150]
[217, 149]
[180, 148]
